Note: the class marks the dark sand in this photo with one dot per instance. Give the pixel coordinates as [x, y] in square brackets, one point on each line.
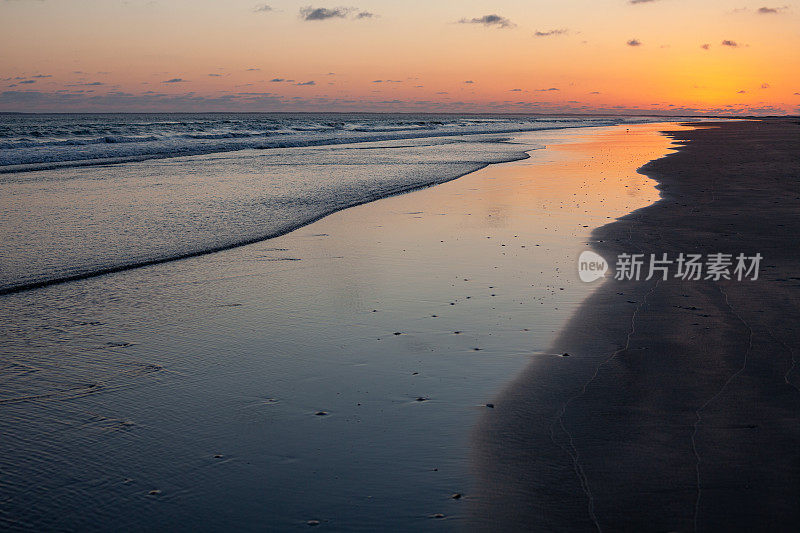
[679, 407]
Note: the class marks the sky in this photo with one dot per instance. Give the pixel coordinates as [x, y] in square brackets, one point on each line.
[547, 56]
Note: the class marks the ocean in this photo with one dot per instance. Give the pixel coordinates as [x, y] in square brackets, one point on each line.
[334, 374]
[85, 194]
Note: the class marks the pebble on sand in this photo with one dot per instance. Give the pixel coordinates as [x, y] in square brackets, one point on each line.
[456, 496]
[321, 413]
[154, 492]
[313, 522]
[490, 405]
[565, 354]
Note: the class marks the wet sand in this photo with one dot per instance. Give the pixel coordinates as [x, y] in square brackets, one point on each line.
[331, 374]
[679, 406]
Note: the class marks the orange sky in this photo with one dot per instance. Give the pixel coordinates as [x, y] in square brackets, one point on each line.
[414, 55]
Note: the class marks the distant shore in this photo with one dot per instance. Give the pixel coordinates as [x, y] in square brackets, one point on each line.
[679, 406]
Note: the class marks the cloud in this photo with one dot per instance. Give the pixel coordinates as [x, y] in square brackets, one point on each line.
[550, 33]
[634, 42]
[765, 85]
[80, 100]
[640, 1]
[771, 10]
[489, 20]
[42, 76]
[547, 90]
[732, 44]
[595, 92]
[387, 81]
[174, 80]
[306, 83]
[216, 75]
[262, 8]
[741, 92]
[28, 82]
[469, 81]
[705, 46]
[323, 13]
[277, 80]
[253, 69]
[365, 15]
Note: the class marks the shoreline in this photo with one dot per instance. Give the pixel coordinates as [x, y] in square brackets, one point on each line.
[495, 150]
[677, 409]
[279, 233]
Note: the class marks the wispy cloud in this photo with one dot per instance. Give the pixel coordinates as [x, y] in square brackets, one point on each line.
[262, 8]
[634, 42]
[761, 10]
[490, 21]
[640, 1]
[325, 13]
[728, 42]
[771, 10]
[174, 80]
[306, 83]
[550, 33]
[705, 46]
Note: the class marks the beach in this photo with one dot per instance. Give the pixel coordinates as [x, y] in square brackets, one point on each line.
[333, 375]
[389, 266]
[677, 409]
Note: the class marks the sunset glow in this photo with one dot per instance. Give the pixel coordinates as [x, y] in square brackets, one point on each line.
[665, 56]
